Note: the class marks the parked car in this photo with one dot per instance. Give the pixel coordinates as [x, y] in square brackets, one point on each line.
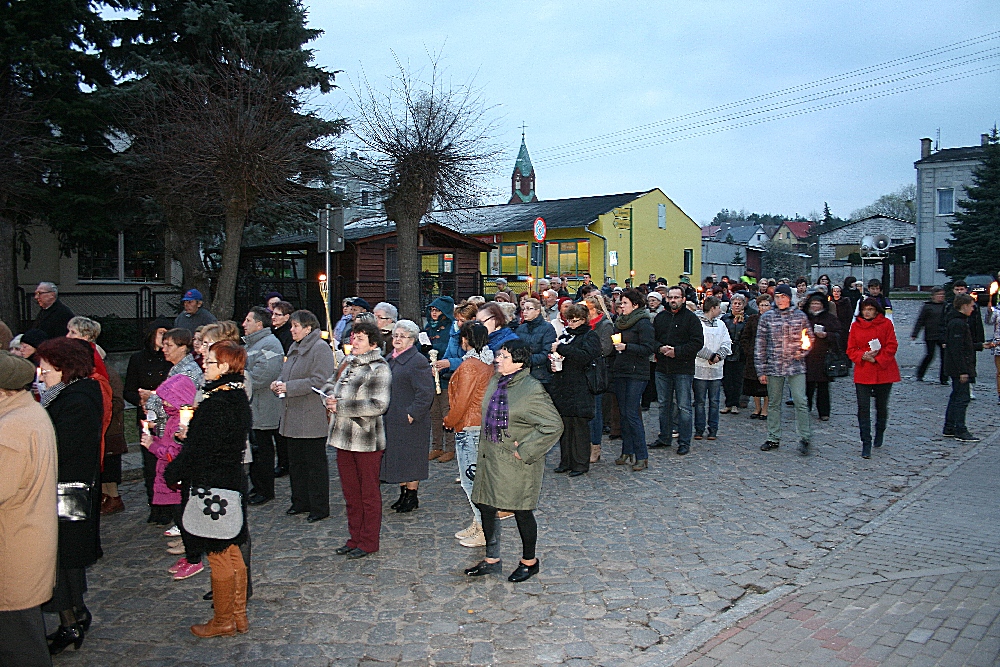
[979, 287]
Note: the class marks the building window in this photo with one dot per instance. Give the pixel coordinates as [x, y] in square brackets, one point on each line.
[131, 257]
[364, 198]
[944, 258]
[945, 201]
[567, 258]
[513, 258]
[661, 216]
[688, 260]
[438, 263]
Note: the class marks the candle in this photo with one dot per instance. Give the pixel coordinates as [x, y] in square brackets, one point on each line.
[616, 338]
[38, 375]
[347, 348]
[806, 342]
[145, 427]
[187, 412]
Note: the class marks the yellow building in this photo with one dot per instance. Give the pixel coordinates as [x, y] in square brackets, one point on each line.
[633, 233]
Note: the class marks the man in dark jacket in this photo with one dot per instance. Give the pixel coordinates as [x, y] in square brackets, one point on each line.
[929, 320]
[539, 335]
[55, 315]
[975, 320]
[679, 338]
[960, 365]
[193, 315]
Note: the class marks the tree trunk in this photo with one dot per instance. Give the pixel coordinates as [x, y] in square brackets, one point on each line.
[184, 247]
[225, 291]
[407, 240]
[9, 307]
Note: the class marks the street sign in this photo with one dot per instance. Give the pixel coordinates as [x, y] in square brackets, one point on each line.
[539, 229]
[612, 258]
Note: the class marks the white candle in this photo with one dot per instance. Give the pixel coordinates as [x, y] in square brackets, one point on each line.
[187, 412]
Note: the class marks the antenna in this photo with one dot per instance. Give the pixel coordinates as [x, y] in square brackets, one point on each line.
[937, 141]
[522, 130]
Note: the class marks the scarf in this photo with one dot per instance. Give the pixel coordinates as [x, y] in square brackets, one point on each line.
[497, 412]
[627, 321]
[484, 355]
[46, 396]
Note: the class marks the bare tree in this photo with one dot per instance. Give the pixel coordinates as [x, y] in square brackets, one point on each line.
[431, 142]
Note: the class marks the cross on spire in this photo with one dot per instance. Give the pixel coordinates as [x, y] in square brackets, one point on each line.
[523, 126]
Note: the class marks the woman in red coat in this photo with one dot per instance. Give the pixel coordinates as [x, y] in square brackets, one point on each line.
[872, 347]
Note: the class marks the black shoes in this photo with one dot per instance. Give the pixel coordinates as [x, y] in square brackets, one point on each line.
[344, 550]
[768, 446]
[683, 449]
[313, 518]
[561, 469]
[965, 436]
[659, 445]
[524, 572]
[356, 553]
[576, 473]
[866, 450]
[65, 636]
[804, 446]
[279, 471]
[259, 499]
[409, 502]
[291, 511]
[483, 568]
[399, 501]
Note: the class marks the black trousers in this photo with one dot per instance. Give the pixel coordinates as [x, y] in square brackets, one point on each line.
[22, 639]
[526, 527]
[732, 382]
[574, 445]
[925, 363]
[866, 392]
[281, 450]
[649, 393]
[309, 475]
[148, 473]
[262, 468]
[822, 392]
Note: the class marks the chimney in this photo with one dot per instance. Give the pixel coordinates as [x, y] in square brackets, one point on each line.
[925, 148]
[984, 139]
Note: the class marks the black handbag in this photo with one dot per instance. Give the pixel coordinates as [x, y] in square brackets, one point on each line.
[838, 364]
[597, 376]
[73, 501]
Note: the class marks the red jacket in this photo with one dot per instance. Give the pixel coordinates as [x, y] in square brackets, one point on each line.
[884, 369]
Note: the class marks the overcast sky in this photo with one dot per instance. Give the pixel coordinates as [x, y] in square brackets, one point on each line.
[578, 70]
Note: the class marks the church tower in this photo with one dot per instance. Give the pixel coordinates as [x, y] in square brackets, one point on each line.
[522, 181]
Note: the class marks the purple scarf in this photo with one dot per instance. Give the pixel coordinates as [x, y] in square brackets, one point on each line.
[497, 413]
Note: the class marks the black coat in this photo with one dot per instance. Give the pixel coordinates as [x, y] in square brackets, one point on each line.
[959, 347]
[147, 369]
[76, 415]
[568, 388]
[212, 455]
[835, 340]
[973, 321]
[845, 314]
[929, 320]
[633, 362]
[284, 335]
[53, 320]
[735, 334]
[405, 457]
[682, 331]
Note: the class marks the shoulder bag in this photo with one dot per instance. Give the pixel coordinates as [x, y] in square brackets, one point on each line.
[213, 513]
[73, 501]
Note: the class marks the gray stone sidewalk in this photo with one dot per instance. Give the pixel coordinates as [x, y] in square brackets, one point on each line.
[632, 564]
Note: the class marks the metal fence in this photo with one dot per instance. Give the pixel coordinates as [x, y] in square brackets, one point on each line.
[124, 316]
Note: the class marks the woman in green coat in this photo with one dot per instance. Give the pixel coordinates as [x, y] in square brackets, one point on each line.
[520, 426]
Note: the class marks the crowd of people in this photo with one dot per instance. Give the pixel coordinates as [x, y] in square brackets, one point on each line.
[491, 385]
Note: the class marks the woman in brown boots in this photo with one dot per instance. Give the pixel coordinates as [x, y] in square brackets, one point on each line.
[210, 464]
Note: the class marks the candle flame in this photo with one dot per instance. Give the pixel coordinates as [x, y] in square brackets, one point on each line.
[806, 342]
[994, 287]
[322, 277]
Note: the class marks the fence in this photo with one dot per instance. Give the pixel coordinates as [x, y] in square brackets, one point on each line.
[520, 284]
[124, 316]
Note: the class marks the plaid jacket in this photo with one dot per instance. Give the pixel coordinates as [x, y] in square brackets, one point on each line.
[362, 393]
[778, 348]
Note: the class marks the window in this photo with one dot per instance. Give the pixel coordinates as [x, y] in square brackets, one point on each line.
[661, 216]
[944, 258]
[438, 263]
[513, 258]
[131, 257]
[945, 201]
[364, 198]
[569, 257]
[688, 260]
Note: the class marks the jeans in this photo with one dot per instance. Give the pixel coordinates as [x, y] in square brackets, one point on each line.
[706, 396]
[797, 386]
[822, 392]
[929, 357]
[466, 453]
[732, 382]
[866, 392]
[629, 393]
[958, 403]
[597, 423]
[526, 527]
[669, 387]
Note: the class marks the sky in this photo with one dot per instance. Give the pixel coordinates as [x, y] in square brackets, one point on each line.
[578, 71]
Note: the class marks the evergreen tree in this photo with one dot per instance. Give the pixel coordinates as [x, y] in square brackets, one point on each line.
[975, 241]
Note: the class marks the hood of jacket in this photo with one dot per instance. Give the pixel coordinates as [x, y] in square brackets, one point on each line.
[176, 390]
[869, 325]
[445, 304]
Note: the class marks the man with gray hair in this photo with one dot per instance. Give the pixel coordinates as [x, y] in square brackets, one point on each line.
[263, 366]
[550, 299]
[502, 287]
[543, 284]
[55, 315]
[386, 315]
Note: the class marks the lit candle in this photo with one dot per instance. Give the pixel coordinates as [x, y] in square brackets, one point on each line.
[347, 348]
[145, 427]
[616, 338]
[994, 287]
[806, 342]
[38, 374]
[187, 412]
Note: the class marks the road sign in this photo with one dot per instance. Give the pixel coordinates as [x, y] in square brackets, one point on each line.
[539, 229]
[613, 258]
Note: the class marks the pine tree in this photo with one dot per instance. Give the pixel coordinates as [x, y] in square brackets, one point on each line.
[975, 242]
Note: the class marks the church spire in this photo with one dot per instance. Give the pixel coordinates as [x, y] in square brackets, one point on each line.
[522, 180]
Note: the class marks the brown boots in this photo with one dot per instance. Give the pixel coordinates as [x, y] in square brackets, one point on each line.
[229, 595]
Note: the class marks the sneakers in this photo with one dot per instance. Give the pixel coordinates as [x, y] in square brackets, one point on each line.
[699, 436]
[948, 433]
[468, 531]
[734, 411]
[972, 394]
[188, 570]
[965, 436]
[478, 539]
[176, 550]
[173, 531]
[176, 566]
[768, 446]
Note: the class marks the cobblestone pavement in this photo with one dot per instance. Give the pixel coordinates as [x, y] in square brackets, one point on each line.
[633, 565]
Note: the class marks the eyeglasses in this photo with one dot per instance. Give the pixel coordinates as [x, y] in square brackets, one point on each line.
[46, 372]
[211, 361]
[37, 292]
[503, 355]
[400, 336]
[383, 319]
[528, 308]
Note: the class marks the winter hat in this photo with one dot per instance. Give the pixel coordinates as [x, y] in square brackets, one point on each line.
[34, 337]
[15, 373]
[783, 289]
